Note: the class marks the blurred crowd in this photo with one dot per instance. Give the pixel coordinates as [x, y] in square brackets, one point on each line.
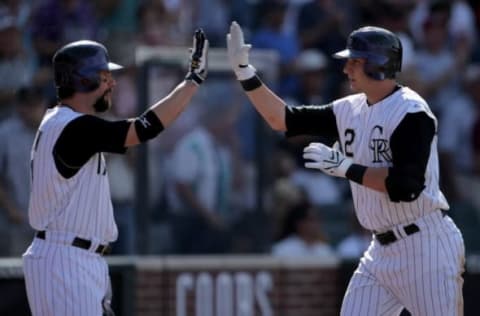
[219, 183]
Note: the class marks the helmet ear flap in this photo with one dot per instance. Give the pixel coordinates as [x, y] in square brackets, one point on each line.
[374, 71]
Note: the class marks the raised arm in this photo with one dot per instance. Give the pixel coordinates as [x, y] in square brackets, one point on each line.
[164, 112]
[268, 104]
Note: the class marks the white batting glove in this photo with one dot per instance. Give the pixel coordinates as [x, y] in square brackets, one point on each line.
[327, 159]
[238, 53]
[197, 71]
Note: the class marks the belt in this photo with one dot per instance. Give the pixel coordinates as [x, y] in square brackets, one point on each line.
[389, 237]
[80, 243]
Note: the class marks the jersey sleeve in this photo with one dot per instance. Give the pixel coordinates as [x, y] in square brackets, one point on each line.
[410, 145]
[315, 120]
[87, 135]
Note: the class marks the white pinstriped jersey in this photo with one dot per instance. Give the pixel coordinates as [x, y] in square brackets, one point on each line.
[365, 132]
[80, 205]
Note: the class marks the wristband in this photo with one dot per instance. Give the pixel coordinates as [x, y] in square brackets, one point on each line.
[147, 126]
[355, 173]
[251, 84]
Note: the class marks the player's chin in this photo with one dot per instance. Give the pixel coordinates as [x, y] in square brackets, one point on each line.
[353, 86]
[103, 104]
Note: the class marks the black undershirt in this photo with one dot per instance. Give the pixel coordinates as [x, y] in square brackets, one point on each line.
[85, 136]
[410, 142]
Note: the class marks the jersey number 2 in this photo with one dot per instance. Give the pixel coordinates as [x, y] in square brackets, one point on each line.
[349, 138]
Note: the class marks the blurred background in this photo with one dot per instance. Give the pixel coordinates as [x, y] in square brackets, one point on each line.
[219, 181]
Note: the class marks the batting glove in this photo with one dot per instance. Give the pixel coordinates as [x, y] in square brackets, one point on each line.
[197, 71]
[327, 159]
[238, 53]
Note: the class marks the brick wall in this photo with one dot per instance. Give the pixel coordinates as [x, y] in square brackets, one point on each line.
[236, 286]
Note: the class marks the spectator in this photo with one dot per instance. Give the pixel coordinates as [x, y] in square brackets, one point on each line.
[14, 59]
[393, 15]
[301, 235]
[321, 25]
[156, 25]
[213, 16]
[270, 35]
[201, 178]
[57, 22]
[20, 9]
[17, 134]
[461, 24]
[354, 245]
[455, 135]
[438, 66]
[311, 66]
[117, 17]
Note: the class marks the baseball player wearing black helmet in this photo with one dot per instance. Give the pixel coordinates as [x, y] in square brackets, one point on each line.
[387, 138]
[70, 206]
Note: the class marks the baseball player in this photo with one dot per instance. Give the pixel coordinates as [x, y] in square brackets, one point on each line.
[70, 206]
[388, 152]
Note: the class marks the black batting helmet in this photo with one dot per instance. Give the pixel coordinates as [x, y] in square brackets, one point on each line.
[381, 48]
[77, 65]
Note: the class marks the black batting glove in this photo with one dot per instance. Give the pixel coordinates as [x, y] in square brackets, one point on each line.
[197, 71]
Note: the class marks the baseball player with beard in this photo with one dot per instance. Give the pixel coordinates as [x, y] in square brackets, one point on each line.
[70, 206]
[388, 152]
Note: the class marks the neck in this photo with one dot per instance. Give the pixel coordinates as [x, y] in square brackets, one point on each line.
[80, 103]
[380, 90]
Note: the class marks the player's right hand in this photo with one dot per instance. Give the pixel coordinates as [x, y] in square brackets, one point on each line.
[197, 71]
[238, 53]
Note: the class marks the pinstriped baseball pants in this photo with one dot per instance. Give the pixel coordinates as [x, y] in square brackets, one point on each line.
[64, 280]
[421, 272]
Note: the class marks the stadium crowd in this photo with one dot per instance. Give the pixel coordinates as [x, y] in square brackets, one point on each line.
[207, 192]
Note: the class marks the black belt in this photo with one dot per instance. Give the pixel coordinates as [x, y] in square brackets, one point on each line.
[389, 237]
[80, 243]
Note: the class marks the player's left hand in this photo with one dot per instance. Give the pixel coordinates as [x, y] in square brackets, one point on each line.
[327, 159]
[197, 71]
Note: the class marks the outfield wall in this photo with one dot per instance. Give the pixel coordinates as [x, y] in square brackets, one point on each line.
[223, 285]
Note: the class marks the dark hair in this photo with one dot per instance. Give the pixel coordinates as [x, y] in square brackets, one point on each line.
[64, 92]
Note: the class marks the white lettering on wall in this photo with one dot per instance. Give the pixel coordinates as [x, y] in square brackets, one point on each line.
[225, 294]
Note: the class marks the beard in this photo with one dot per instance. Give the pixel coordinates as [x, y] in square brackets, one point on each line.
[102, 104]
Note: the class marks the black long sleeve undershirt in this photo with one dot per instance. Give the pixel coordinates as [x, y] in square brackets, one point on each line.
[315, 120]
[85, 136]
[410, 144]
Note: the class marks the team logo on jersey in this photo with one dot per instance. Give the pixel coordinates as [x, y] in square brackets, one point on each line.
[379, 146]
